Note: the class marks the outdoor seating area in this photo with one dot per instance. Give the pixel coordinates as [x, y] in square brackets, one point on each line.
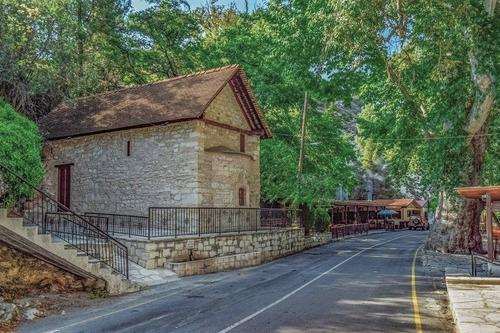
[388, 214]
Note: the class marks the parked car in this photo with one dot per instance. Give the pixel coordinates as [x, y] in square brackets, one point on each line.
[417, 223]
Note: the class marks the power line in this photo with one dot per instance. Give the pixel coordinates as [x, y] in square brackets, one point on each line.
[400, 139]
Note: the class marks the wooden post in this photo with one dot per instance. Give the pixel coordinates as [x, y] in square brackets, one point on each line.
[489, 226]
[376, 217]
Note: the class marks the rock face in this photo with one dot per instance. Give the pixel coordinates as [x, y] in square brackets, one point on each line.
[25, 283]
[192, 163]
[22, 275]
[7, 311]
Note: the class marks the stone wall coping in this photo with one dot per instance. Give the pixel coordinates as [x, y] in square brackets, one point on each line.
[206, 236]
[472, 280]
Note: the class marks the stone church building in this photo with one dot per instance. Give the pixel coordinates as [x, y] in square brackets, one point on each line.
[183, 142]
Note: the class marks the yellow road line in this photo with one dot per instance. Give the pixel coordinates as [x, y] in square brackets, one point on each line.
[414, 297]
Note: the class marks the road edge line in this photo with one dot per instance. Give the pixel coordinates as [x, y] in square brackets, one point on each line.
[267, 307]
[414, 296]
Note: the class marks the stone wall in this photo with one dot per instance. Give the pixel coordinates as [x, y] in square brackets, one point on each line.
[160, 171]
[224, 171]
[216, 264]
[271, 244]
[226, 109]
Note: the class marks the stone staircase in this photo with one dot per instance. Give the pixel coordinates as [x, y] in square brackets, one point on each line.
[115, 282]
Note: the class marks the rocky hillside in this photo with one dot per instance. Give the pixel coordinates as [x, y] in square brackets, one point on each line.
[25, 283]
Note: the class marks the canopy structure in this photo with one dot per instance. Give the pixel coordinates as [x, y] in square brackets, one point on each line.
[387, 212]
[491, 196]
[480, 191]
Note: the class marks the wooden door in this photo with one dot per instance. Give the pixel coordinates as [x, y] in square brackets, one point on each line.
[64, 184]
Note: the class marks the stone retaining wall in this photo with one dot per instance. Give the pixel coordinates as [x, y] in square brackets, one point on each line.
[217, 264]
[271, 244]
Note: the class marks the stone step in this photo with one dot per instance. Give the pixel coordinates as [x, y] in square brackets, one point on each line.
[115, 282]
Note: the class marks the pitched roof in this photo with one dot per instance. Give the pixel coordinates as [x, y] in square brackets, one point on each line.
[400, 203]
[176, 99]
[388, 203]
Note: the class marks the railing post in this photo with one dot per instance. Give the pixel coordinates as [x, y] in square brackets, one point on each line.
[220, 221]
[199, 221]
[149, 221]
[129, 227]
[175, 223]
[257, 219]
[126, 262]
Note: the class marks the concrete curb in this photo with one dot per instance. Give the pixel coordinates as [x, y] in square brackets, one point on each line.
[470, 313]
[472, 280]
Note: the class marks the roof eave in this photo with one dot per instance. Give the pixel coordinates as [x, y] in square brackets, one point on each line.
[162, 123]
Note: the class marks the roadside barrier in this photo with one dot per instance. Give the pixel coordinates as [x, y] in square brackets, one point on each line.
[343, 230]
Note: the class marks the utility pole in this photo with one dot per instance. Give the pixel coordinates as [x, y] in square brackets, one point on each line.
[303, 207]
[302, 136]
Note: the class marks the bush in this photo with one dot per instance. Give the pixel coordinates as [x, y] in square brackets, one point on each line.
[20, 152]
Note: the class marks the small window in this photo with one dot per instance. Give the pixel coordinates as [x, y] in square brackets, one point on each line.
[128, 148]
[241, 196]
[242, 142]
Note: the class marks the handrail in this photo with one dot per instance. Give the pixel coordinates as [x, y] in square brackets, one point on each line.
[43, 205]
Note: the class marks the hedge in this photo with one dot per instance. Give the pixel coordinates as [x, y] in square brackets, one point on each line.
[20, 152]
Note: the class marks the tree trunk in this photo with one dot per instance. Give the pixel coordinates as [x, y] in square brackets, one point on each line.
[457, 222]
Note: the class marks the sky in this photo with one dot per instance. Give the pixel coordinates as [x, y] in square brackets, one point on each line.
[240, 4]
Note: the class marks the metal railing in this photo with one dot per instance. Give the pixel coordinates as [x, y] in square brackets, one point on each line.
[86, 234]
[343, 230]
[121, 224]
[183, 221]
[475, 257]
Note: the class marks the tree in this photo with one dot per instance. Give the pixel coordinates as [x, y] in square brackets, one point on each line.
[426, 71]
[163, 41]
[52, 50]
[20, 152]
[282, 53]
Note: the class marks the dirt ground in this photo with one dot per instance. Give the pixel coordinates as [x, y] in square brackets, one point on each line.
[31, 288]
[437, 265]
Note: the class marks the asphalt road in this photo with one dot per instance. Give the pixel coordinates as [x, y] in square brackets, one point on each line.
[361, 284]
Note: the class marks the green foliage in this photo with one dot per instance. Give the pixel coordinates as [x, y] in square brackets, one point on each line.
[411, 65]
[20, 153]
[491, 175]
[67, 48]
[279, 49]
[329, 159]
[163, 40]
[51, 50]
